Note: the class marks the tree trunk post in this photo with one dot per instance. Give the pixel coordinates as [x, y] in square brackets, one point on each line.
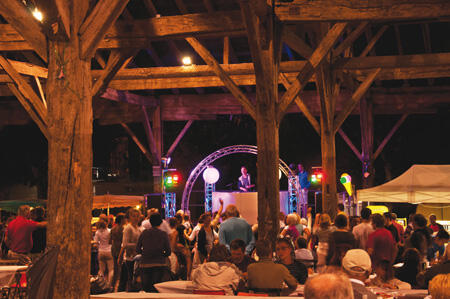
[70, 167]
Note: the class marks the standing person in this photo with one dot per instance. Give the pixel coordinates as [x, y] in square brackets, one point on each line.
[340, 241]
[131, 233]
[390, 227]
[434, 226]
[286, 256]
[290, 229]
[236, 228]
[420, 238]
[381, 245]
[106, 264]
[303, 185]
[206, 238]
[154, 246]
[364, 229]
[244, 181]
[19, 236]
[323, 236]
[116, 244]
[399, 227]
[40, 234]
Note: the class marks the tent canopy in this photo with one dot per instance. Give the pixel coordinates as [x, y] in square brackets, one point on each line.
[115, 201]
[419, 184]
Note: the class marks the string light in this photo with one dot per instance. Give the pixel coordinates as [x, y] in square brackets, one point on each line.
[187, 60]
[38, 15]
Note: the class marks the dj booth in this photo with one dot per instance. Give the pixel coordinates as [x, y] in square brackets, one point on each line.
[247, 203]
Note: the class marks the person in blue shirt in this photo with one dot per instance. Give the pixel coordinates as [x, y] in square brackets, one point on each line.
[236, 228]
[244, 181]
[303, 184]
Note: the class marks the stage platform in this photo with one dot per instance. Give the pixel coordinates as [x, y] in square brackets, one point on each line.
[247, 203]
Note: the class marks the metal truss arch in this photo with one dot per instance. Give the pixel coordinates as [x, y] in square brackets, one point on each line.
[229, 150]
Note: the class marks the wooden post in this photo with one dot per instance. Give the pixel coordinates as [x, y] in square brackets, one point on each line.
[366, 121]
[265, 41]
[328, 91]
[70, 166]
[157, 134]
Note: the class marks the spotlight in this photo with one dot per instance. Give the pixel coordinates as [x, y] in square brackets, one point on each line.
[187, 60]
[38, 15]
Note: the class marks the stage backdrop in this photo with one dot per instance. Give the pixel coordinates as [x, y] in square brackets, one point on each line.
[247, 203]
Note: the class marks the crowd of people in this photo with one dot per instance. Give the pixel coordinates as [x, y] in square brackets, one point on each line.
[343, 257]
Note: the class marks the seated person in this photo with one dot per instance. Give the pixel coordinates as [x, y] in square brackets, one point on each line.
[442, 268]
[439, 287]
[218, 273]
[357, 265]
[303, 254]
[385, 277]
[266, 276]
[438, 245]
[238, 256]
[329, 285]
[410, 268]
[285, 255]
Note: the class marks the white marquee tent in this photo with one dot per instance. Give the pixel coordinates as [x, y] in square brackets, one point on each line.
[419, 184]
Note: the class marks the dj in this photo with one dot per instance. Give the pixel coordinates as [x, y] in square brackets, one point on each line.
[244, 183]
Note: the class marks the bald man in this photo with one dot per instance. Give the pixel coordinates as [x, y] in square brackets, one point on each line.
[328, 286]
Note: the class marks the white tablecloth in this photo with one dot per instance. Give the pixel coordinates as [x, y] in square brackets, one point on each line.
[7, 274]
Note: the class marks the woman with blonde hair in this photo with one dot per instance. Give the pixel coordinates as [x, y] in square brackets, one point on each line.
[290, 229]
[323, 236]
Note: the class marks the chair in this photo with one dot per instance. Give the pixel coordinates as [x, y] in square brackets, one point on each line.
[208, 292]
[37, 281]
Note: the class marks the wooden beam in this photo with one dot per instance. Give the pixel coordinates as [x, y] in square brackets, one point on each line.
[21, 19]
[357, 95]
[296, 43]
[389, 136]
[25, 89]
[129, 98]
[313, 62]
[138, 33]
[63, 10]
[373, 41]
[350, 144]
[302, 106]
[342, 10]
[28, 69]
[228, 82]
[137, 142]
[41, 91]
[179, 137]
[350, 38]
[96, 25]
[116, 61]
[150, 138]
[29, 109]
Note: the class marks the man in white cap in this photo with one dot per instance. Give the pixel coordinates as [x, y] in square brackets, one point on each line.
[356, 263]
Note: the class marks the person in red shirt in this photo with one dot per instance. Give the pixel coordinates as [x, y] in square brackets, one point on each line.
[435, 227]
[398, 226]
[19, 233]
[381, 244]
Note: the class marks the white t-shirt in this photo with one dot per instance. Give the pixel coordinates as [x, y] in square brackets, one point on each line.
[102, 237]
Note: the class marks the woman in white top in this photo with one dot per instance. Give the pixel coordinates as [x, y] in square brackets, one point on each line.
[102, 238]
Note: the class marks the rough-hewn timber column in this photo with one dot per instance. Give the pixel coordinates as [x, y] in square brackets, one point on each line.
[366, 121]
[70, 166]
[265, 41]
[158, 135]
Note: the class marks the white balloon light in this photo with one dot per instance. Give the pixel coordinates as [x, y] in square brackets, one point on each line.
[211, 175]
[279, 174]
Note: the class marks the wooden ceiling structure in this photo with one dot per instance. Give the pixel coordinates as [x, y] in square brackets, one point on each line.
[118, 61]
